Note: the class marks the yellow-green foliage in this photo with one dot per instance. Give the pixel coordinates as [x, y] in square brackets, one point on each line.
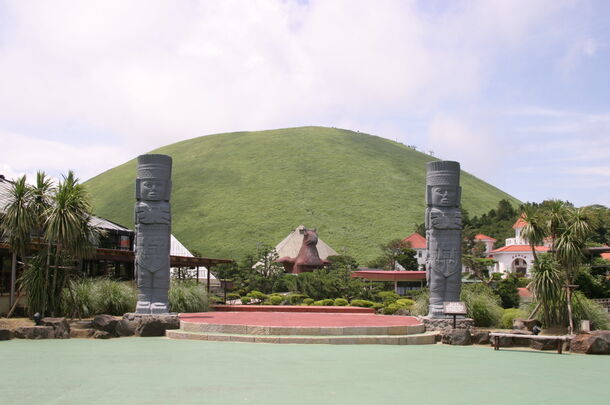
[510, 314]
[234, 190]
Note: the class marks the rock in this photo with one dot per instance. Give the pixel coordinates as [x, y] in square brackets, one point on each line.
[156, 325]
[543, 344]
[82, 333]
[6, 334]
[525, 324]
[480, 337]
[81, 325]
[126, 327]
[457, 337]
[102, 334]
[60, 326]
[34, 332]
[105, 323]
[446, 324]
[590, 343]
[521, 342]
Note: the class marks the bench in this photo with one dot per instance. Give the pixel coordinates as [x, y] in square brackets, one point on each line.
[560, 339]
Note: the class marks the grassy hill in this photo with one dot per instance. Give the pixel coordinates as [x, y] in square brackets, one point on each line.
[236, 189]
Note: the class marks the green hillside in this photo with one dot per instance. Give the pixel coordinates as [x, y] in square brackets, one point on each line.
[234, 190]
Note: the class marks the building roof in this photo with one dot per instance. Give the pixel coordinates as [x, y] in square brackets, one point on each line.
[385, 275]
[484, 238]
[520, 223]
[524, 292]
[605, 256]
[416, 240]
[291, 244]
[519, 248]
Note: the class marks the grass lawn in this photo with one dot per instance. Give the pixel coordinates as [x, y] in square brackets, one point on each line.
[162, 371]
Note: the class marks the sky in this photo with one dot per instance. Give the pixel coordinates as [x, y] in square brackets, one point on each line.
[517, 91]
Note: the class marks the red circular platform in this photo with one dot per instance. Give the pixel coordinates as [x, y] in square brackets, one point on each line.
[298, 319]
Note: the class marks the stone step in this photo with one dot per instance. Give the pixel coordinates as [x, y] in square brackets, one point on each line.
[200, 327]
[414, 339]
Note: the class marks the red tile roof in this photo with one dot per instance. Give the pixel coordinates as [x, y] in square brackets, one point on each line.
[524, 292]
[416, 240]
[520, 223]
[519, 248]
[483, 237]
[605, 256]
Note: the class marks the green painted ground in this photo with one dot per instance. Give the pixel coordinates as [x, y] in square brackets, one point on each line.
[232, 191]
[161, 371]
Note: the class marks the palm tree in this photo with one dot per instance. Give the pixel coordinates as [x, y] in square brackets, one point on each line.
[16, 225]
[569, 251]
[535, 229]
[67, 228]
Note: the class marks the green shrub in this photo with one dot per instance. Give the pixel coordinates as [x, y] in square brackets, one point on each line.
[324, 303]
[246, 300]
[390, 309]
[509, 315]
[188, 296]
[275, 299]
[114, 297]
[340, 302]
[583, 308]
[482, 304]
[388, 297]
[362, 303]
[257, 295]
[232, 296]
[405, 303]
[79, 301]
[296, 299]
[308, 301]
[420, 307]
[88, 297]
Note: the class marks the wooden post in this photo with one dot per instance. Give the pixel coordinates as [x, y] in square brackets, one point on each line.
[13, 280]
[396, 286]
[197, 274]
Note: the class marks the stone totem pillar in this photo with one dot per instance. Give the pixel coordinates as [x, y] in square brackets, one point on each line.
[443, 234]
[153, 229]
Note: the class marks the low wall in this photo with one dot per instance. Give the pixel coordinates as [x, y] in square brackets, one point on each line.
[293, 308]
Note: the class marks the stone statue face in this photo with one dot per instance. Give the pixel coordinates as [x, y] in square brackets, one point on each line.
[152, 190]
[444, 196]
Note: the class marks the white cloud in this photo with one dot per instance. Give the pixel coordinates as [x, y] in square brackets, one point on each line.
[22, 154]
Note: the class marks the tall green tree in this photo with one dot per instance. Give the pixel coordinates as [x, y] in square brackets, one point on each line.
[16, 226]
[68, 230]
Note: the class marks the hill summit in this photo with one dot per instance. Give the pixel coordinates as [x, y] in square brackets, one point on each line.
[235, 190]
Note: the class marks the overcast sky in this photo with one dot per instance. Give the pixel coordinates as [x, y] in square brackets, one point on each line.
[517, 91]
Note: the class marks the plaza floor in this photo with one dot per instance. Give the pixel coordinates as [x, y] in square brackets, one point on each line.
[163, 371]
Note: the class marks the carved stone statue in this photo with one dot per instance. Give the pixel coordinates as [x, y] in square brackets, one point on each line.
[443, 234]
[308, 258]
[153, 229]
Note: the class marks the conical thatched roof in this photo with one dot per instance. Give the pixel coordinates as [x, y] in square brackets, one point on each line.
[291, 244]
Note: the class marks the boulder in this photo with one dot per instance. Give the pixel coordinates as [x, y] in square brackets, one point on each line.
[60, 326]
[590, 343]
[6, 334]
[457, 337]
[126, 327]
[480, 337]
[102, 334]
[543, 344]
[79, 333]
[526, 324]
[34, 332]
[105, 323]
[156, 325]
[521, 342]
[81, 324]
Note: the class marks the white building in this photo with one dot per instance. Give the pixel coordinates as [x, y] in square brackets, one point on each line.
[419, 244]
[516, 256]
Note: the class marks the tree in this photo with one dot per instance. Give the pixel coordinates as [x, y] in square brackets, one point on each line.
[68, 230]
[395, 251]
[17, 224]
